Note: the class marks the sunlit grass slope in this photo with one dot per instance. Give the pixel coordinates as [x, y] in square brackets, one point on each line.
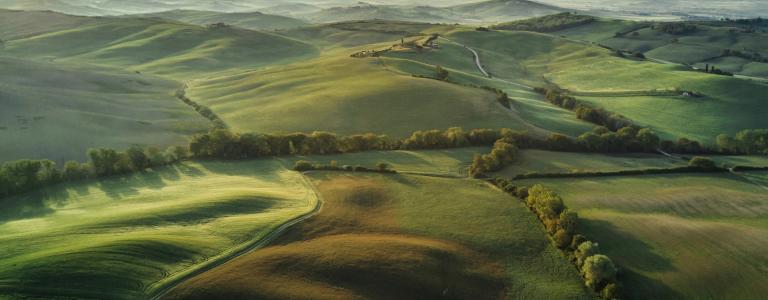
[58, 111]
[446, 162]
[404, 237]
[618, 84]
[358, 33]
[345, 95]
[249, 20]
[677, 236]
[528, 108]
[161, 47]
[540, 161]
[121, 238]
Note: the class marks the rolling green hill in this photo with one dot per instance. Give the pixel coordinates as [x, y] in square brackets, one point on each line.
[503, 10]
[16, 24]
[596, 75]
[160, 47]
[345, 95]
[397, 236]
[248, 20]
[57, 111]
[122, 238]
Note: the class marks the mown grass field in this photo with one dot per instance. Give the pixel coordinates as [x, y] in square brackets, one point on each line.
[123, 238]
[677, 236]
[396, 236]
[540, 161]
[58, 111]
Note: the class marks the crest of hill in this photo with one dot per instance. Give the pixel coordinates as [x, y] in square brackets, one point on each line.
[248, 20]
[18, 24]
[504, 10]
[159, 46]
[548, 23]
[482, 12]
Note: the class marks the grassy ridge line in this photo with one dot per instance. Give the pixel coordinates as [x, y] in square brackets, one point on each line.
[160, 289]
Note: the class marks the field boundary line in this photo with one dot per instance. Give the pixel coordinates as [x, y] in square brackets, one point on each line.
[258, 244]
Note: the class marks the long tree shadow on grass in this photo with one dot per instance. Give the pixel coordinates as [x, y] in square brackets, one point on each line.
[633, 256]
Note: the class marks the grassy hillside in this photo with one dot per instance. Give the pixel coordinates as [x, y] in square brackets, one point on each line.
[529, 110]
[249, 20]
[359, 33]
[364, 11]
[160, 47]
[700, 47]
[504, 10]
[401, 237]
[120, 238]
[18, 24]
[599, 77]
[345, 95]
[448, 162]
[677, 236]
[540, 161]
[58, 111]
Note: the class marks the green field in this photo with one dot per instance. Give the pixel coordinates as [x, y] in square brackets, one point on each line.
[447, 162]
[122, 238]
[677, 236]
[344, 95]
[58, 111]
[417, 226]
[248, 20]
[155, 46]
[540, 161]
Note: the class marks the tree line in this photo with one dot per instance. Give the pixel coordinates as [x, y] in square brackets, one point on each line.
[750, 141]
[26, 175]
[598, 271]
[303, 166]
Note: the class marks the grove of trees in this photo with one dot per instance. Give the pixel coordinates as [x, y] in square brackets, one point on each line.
[751, 141]
[598, 270]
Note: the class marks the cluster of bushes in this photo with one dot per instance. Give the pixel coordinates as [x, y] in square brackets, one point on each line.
[501, 96]
[750, 141]
[598, 271]
[714, 70]
[675, 28]
[26, 175]
[303, 166]
[200, 109]
[627, 139]
[754, 56]
[224, 144]
[624, 54]
[548, 23]
[503, 153]
[584, 112]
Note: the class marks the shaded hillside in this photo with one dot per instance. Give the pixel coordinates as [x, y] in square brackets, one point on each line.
[248, 20]
[160, 47]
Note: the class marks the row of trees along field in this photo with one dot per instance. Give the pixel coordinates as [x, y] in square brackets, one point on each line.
[26, 175]
[598, 270]
[615, 130]
[751, 141]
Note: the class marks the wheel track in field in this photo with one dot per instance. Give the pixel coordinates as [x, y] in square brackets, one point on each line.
[259, 244]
